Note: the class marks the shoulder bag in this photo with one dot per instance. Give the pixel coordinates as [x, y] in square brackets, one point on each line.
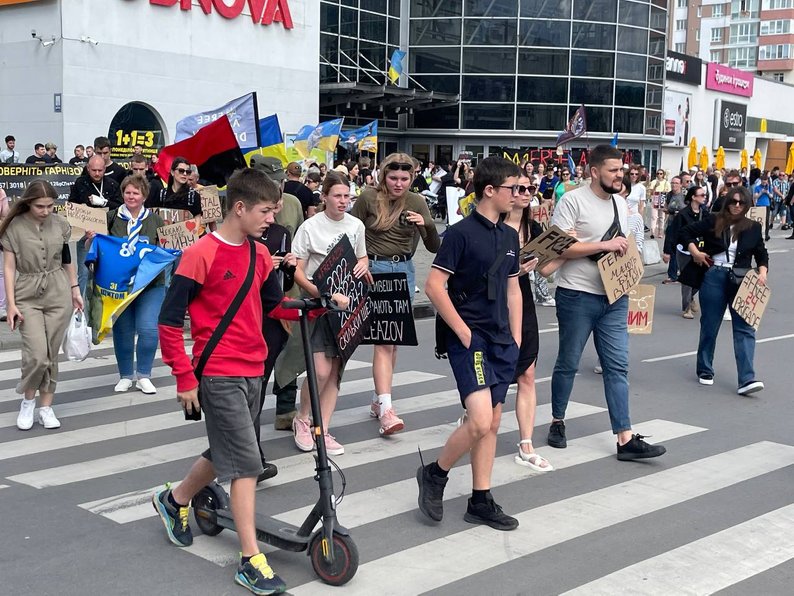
[613, 232]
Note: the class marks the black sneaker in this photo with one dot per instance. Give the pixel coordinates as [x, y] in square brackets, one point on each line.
[431, 493]
[636, 448]
[490, 514]
[556, 436]
[258, 577]
[750, 387]
[270, 470]
[706, 379]
[174, 519]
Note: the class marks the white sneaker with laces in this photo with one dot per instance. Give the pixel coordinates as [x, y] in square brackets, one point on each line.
[145, 385]
[26, 410]
[47, 418]
[123, 385]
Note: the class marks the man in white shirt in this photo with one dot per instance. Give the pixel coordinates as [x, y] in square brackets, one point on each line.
[8, 155]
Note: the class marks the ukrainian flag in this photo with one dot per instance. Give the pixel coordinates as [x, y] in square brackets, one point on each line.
[364, 138]
[271, 139]
[324, 136]
[396, 66]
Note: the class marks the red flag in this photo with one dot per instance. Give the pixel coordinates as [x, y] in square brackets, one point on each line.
[213, 149]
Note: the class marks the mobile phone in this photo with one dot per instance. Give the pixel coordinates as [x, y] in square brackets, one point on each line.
[280, 253]
[15, 322]
[528, 257]
[195, 415]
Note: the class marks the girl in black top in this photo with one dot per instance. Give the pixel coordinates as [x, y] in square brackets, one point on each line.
[177, 194]
[694, 211]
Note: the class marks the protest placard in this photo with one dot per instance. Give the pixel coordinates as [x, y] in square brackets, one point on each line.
[751, 299]
[210, 204]
[83, 219]
[178, 235]
[621, 273]
[542, 213]
[392, 314]
[335, 275]
[641, 302]
[758, 214]
[548, 246]
[15, 178]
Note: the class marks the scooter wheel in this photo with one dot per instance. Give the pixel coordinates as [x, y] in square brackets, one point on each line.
[205, 504]
[345, 562]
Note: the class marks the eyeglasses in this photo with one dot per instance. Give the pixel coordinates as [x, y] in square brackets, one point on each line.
[634, 173]
[660, 173]
[728, 183]
[736, 203]
[566, 173]
[403, 167]
[515, 189]
[182, 171]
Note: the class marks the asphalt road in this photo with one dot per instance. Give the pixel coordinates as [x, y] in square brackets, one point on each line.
[714, 515]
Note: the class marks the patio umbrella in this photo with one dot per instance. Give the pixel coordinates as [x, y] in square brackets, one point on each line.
[743, 160]
[692, 158]
[704, 158]
[720, 158]
[790, 160]
[757, 159]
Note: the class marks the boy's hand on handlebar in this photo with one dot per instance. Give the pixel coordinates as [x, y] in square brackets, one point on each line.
[341, 301]
[189, 400]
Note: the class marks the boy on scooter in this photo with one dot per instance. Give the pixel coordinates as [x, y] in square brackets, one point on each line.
[211, 275]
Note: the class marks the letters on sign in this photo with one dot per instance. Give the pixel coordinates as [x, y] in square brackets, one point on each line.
[393, 317]
[210, 204]
[751, 299]
[178, 235]
[641, 303]
[265, 12]
[84, 219]
[550, 245]
[621, 273]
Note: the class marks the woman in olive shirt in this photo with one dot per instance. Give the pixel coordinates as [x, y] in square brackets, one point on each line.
[392, 217]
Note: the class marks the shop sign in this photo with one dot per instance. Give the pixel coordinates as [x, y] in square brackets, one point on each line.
[681, 67]
[265, 12]
[729, 80]
[731, 124]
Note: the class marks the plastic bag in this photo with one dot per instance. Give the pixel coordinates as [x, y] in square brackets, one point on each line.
[77, 341]
[650, 253]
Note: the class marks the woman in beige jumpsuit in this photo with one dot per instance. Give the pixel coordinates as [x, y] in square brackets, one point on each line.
[38, 275]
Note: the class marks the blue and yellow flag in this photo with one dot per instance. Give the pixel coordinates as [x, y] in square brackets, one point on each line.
[121, 272]
[271, 139]
[396, 66]
[324, 136]
[364, 138]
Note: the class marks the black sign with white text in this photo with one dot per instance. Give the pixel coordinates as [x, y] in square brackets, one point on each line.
[392, 320]
[680, 67]
[731, 123]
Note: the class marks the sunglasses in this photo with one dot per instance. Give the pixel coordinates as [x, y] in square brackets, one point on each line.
[660, 173]
[566, 173]
[526, 189]
[736, 203]
[403, 167]
[182, 171]
[699, 194]
[634, 173]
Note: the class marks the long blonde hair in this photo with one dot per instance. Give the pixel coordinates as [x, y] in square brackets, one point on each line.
[388, 211]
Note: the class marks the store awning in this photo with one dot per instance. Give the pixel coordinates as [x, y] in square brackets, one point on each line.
[334, 94]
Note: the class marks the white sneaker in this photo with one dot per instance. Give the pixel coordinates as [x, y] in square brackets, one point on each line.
[146, 386]
[598, 370]
[26, 410]
[550, 302]
[123, 385]
[47, 418]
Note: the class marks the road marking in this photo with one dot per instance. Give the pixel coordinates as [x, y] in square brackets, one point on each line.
[136, 460]
[707, 565]
[69, 366]
[685, 354]
[458, 556]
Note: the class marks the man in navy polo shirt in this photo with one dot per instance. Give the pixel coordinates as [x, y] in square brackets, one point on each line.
[481, 304]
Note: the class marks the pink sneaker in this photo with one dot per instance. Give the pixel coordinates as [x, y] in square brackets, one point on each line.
[389, 423]
[332, 446]
[303, 434]
[374, 409]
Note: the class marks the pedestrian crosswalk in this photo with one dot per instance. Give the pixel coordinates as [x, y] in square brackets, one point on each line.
[113, 450]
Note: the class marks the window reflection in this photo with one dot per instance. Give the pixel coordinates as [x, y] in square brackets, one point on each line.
[631, 39]
[546, 9]
[435, 32]
[628, 120]
[633, 13]
[434, 8]
[604, 11]
[593, 36]
[491, 8]
[494, 32]
[544, 33]
[446, 117]
[435, 60]
[598, 119]
[536, 61]
[542, 90]
[540, 117]
[631, 66]
[488, 88]
[494, 116]
[629, 94]
[593, 64]
[591, 91]
[489, 60]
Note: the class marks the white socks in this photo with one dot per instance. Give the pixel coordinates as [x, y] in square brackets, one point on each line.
[384, 399]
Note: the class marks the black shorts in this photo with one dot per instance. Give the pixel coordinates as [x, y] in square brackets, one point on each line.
[483, 365]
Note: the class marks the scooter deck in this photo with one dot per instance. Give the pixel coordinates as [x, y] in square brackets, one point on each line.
[270, 531]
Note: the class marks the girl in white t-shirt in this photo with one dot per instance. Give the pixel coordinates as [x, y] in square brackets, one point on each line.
[313, 241]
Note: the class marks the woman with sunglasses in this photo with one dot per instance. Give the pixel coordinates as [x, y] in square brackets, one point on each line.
[701, 181]
[393, 219]
[564, 185]
[177, 195]
[731, 241]
[694, 211]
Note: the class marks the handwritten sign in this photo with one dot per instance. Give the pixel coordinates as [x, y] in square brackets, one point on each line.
[335, 275]
[542, 213]
[550, 245]
[178, 235]
[392, 316]
[758, 214]
[641, 302]
[751, 299]
[621, 273]
[210, 204]
[83, 219]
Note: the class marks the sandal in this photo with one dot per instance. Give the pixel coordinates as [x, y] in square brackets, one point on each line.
[533, 460]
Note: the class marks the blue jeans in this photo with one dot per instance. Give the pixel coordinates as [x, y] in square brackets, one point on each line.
[139, 317]
[82, 270]
[579, 314]
[716, 293]
[407, 267]
[672, 266]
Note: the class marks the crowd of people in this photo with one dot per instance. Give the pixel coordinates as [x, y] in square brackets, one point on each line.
[280, 223]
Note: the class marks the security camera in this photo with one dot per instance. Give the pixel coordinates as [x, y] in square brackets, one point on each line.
[88, 39]
[48, 43]
[33, 33]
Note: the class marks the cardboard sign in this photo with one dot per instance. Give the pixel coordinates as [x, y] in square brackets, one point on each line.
[335, 275]
[621, 273]
[542, 213]
[392, 314]
[83, 219]
[178, 235]
[641, 302]
[210, 204]
[758, 214]
[751, 299]
[550, 245]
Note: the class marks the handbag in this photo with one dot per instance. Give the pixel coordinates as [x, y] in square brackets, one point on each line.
[613, 232]
[77, 341]
[735, 274]
[216, 336]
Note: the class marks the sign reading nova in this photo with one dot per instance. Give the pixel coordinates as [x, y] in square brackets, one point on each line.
[265, 12]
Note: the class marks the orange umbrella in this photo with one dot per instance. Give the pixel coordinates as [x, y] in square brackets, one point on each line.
[744, 159]
[692, 158]
[720, 158]
[704, 159]
[790, 160]
[759, 163]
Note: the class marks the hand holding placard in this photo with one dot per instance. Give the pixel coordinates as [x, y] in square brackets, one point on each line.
[620, 273]
[751, 299]
[550, 245]
[178, 235]
[210, 204]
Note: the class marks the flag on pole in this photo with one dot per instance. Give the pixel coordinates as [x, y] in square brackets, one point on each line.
[396, 66]
[364, 138]
[324, 136]
[272, 140]
[614, 142]
[575, 128]
[241, 113]
[571, 165]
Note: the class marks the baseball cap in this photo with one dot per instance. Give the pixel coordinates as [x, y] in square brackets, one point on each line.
[294, 168]
[271, 166]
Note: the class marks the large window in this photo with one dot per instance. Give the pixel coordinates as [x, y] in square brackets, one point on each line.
[542, 90]
[629, 94]
[546, 9]
[491, 8]
[775, 52]
[435, 60]
[716, 35]
[631, 66]
[432, 32]
[633, 13]
[489, 32]
[745, 9]
[744, 33]
[591, 91]
[548, 62]
[488, 116]
[605, 11]
[775, 4]
[593, 64]
[632, 39]
[434, 8]
[553, 34]
[776, 27]
[540, 117]
[742, 57]
[489, 60]
[489, 88]
[593, 36]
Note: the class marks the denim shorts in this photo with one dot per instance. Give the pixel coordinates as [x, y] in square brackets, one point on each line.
[483, 365]
[231, 405]
[388, 266]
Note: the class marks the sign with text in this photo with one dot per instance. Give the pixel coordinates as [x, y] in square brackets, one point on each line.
[84, 219]
[758, 214]
[392, 314]
[751, 299]
[542, 213]
[729, 80]
[265, 12]
[210, 204]
[621, 273]
[641, 302]
[335, 275]
[15, 178]
[731, 124]
[178, 235]
[550, 245]
[681, 67]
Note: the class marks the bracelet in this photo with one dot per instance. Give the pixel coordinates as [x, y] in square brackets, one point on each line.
[75, 286]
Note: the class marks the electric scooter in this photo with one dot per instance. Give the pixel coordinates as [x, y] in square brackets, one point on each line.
[333, 553]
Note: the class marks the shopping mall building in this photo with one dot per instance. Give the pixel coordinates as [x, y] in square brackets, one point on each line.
[480, 75]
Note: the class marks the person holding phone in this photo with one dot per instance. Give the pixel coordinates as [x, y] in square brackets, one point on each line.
[41, 291]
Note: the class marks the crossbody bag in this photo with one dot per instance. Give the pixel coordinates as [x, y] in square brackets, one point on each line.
[613, 232]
